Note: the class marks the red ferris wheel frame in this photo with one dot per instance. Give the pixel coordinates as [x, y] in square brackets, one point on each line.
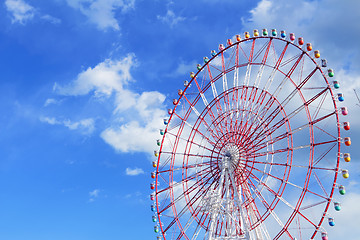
[235, 146]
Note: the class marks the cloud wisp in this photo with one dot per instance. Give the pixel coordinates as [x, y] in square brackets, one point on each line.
[170, 18]
[102, 12]
[94, 195]
[85, 126]
[134, 171]
[21, 11]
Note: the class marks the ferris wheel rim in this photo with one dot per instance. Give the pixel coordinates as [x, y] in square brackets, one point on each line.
[329, 89]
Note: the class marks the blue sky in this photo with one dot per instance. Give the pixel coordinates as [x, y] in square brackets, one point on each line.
[84, 85]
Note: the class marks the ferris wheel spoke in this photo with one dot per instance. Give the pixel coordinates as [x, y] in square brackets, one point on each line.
[250, 104]
[241, 103]
[186, 167]
[223, 73]
[249, 122]
[326, 132]
[259, 101]
[308, 102]
[206, 103]
[236, 69]
[280, 59]
[212, 80]
[188, 224]
[192, 105]
[247, 75]
[197, 231]
[243, 52]
[249, 64]
[246, 123]
[287, 203]
[323, 118]
[186, 227]
[267, 44]
[271, 190]
[252, 210]
[317, 161]
[323, 168]
[269, 209]
[187, 154]
[300, 213]
[183, 211]
[262, 66]
[177, 184]
[272, 152]
[264, 173]
[312, 205]
[227, 109]
[251, 101]
[318, 195]
[213, 135]
[260, 140]
[220, 129]
[164, 163]
[195, 143]
[272, 163]
[260, 115]
[295, 65]
[261, 144]
[182, 196]
[290, 60]
[275, 68]
[320, 105]
[266, 132]
[307, 78]
[258, 194]
[183, 121]
[188, 141]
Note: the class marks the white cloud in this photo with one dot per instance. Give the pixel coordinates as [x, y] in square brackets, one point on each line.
[131, 137]
[170, 18]
[137, 116]
[94, 194]
[134, 172]
[85, 126]
[102, 12]
[51, 121]
[51, 101]
[51, 19]
[20, 10]
[142, 129]
[104, 79]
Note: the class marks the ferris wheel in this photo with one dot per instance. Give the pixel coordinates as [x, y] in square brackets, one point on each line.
[252, 147]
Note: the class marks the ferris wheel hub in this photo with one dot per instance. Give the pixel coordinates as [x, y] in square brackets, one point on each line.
[231, 158]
